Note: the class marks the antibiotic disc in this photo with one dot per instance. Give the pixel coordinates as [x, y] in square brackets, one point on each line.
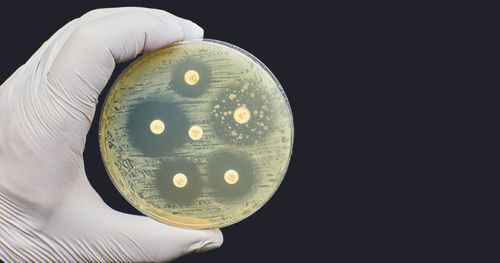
[198, 134]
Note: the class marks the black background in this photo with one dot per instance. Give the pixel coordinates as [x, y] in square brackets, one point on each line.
[368, 85]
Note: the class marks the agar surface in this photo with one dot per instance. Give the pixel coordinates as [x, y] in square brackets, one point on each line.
[198, 134]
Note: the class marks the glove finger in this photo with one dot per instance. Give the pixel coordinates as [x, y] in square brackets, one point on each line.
[85, 63]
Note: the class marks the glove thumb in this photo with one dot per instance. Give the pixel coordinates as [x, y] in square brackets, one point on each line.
[161, 242]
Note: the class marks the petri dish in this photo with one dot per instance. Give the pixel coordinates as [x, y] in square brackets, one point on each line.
[198, 134]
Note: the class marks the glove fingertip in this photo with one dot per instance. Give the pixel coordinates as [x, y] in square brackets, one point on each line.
[212, 240]
[193, 32]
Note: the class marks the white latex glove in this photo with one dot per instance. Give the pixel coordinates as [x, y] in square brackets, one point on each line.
[48, 210]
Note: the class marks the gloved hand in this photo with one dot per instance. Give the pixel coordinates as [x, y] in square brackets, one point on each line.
[48, 210]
